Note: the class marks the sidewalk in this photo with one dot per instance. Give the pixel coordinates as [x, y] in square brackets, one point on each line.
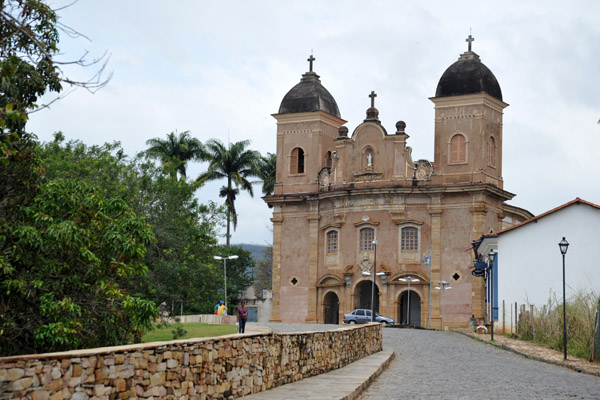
[341, 384]
[535, 352]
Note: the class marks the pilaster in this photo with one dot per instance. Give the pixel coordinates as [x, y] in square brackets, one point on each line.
[276, 268]
[313, 261]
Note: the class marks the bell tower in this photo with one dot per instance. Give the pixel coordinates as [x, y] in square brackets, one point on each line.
[468, 122]
[307, 125]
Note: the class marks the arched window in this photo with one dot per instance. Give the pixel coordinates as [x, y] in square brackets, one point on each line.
[492, 151]
[409, 239]
[332, 242]
[297, 161]
[367, 235]
[458, 149]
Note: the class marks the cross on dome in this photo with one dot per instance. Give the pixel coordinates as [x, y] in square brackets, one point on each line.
[469, 40]
[372, 96]
[310, 61]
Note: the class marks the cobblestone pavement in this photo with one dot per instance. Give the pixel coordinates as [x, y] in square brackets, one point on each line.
[448, 365]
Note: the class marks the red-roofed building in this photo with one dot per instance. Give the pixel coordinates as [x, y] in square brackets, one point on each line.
[529, 262]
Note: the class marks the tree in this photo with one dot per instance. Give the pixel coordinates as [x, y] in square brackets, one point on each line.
[239, 272]
[263, 273]
[29, 64]
[265, 170]
[181, 271]
[234, 163]
[175, 152]
[65, 270]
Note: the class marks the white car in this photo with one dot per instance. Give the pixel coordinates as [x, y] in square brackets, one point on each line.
[362, 316]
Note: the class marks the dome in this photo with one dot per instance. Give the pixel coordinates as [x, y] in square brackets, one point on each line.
[468, 76]
[309, 95]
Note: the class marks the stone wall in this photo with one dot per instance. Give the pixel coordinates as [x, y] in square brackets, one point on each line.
[226, 367]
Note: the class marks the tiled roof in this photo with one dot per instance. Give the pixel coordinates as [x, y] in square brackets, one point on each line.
[576, 201]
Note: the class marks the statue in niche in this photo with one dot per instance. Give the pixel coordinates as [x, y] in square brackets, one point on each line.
[365, 264]
[369, 159]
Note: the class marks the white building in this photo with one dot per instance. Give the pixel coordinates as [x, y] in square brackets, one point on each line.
[529, 261]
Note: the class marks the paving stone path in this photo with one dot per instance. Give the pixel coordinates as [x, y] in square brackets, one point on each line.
[448, 365]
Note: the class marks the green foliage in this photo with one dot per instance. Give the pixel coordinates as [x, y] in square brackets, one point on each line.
[546, 326]
[239, 273]
[181, 271]
[175, 152]
[65, 270]
[28, 43]
[235, 164]
[265, 169]
[178, 330]
[263, 273]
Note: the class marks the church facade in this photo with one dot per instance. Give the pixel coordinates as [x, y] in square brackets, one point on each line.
[353, 208]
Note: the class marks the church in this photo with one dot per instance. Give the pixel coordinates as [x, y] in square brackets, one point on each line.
[356, 220]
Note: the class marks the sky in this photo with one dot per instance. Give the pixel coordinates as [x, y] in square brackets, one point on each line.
[221, 68]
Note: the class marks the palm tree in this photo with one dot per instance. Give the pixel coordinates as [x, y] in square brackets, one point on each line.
[265, 170]
[176, 151]
[236, 164]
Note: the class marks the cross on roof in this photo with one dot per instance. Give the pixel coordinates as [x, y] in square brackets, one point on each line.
[310, 61]
[372, 96]
[469, 40]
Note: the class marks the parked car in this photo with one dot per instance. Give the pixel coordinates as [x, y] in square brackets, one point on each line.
[361, 316]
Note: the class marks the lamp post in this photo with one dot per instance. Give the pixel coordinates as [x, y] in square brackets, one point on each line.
[443, 287]
[408, 279]
[491, 258]
[373, 284]
[233, 257]
[564, 246]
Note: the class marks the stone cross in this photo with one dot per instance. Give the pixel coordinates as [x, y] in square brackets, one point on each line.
[372, 96]
[310, 60]
[469, 40]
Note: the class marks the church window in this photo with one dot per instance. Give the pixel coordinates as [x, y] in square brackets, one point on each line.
[492, 151]
[458, 149]
[332, 242]
[297, 161]
[367, 235]
[328, 160]
[409, 239]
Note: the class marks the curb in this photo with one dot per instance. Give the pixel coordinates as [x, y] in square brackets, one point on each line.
[362, 387]
[533, 357]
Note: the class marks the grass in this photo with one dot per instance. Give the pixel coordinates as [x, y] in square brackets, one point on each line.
[546, 328]
[193, 330]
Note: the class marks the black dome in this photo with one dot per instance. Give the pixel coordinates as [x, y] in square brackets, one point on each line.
[468, 76]
[309, 95]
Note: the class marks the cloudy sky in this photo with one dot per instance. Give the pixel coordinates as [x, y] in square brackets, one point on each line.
[220, 69]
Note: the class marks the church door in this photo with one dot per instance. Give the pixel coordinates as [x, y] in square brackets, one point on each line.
[415, 309]
[363, 295]
[331, 305]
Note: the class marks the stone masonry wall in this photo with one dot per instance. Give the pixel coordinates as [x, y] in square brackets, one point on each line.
[226, 367]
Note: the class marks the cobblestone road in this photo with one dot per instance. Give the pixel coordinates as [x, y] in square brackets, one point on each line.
[447, 365]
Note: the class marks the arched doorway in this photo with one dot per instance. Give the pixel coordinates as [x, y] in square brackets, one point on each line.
[331, 305]
[415, 309]
[363, 295]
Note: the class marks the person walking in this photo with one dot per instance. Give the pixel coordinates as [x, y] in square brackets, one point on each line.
[242, 317]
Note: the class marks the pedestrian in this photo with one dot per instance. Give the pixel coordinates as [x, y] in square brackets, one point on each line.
[222, 310]
[242, 317]
[217, 306]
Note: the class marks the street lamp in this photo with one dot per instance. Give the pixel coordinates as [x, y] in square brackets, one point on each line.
[233, 257]
[373, 284]
[443, 287]
[408, 279]
[564, 246]
[491, 258]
